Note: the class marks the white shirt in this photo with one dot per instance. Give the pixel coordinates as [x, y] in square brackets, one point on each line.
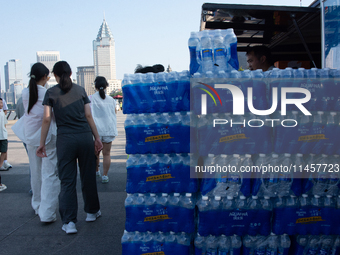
[28, 127]
[104, 115]
[3, 122]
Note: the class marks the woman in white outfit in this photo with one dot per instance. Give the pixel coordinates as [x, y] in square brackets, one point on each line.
[44, 178]
[103, 108]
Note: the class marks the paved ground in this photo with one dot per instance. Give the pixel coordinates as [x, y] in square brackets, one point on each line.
[21, 231]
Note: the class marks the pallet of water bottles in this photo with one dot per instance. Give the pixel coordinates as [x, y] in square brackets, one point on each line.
[293, 133]
[265, 92]
[152, 93]
[160, 212]
[158, 133]
[161, 173]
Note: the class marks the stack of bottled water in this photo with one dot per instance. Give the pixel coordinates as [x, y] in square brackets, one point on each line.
[214, 51]
[306, 215]
[161, 173]
[230, 216]
[160, 212]
[160, 92]
[309, 244]
[156, 243]
[158, 133]
[218, 245]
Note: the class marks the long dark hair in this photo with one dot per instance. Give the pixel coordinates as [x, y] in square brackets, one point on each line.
[63, 70]
[38, 71]
[101, 84]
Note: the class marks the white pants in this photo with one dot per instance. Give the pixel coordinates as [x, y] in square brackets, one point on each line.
[45, 182]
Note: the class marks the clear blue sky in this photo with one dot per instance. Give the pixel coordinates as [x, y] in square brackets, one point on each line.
[145, 32]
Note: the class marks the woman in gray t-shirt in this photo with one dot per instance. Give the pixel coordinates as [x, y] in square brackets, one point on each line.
[75, 131]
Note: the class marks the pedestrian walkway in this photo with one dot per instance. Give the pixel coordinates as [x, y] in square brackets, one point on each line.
[21, 231]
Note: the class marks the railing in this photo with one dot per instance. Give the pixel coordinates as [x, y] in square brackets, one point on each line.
[11, 114]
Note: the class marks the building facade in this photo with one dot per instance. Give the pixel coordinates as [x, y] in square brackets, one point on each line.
[104, 57]
[85, 78]
[49, 58]
[13, 73]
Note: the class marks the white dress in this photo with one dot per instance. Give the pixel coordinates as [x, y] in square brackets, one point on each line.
[45, 183]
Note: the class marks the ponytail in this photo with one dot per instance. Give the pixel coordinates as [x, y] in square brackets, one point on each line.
[38, 71]
[63, 70]
[101, 84]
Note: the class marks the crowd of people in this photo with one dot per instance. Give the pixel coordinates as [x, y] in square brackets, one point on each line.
[62, 130]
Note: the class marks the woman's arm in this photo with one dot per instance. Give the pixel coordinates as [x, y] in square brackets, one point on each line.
[97, 142]
[41, 151]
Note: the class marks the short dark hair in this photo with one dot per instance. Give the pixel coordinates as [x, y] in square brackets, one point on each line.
[260, 51]
[149, 69]
[0, 99]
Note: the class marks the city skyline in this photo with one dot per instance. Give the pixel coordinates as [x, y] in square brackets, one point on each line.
[146, 33]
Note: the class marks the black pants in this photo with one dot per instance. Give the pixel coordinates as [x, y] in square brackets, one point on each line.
[71, 147]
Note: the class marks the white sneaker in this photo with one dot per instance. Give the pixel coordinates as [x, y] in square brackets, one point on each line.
[93, 216]
[69, 228]
[98, 174]
[3, 187]
[4, 168]
[105, 179]
[7, 165]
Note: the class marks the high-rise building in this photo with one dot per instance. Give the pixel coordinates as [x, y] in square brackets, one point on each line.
[49, 58]
[13, 73]
[104, 57]
[85, 78]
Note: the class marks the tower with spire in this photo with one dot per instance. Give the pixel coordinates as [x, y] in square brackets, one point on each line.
[104, 58]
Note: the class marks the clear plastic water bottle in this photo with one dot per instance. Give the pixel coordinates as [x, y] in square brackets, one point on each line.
[186, 213]
[236, 244]
[221, 185]
[173, 83]
[207, 52]
[255, 218]
[131, 134]
[266, 213]
[162, 209]
[219, 52]
[246, 186]
[248, 244]
[183, 91]
[230, 41]
[204, 216]
[234, 179]
[303, 212]
[328, 225]
[316, 205]
[224, 245]
[326, 245]
[272, 246]
[321, 182]
[284, 245]
[208, 183]
[285, 179]
[242, 221]
[228, 206]
[173, 209]
[160, 99]
[313, 246]
[292, 205]
[200, 245]
[302, 241]
[270, 180]
[137, 216]
[279, 216]
[193, 43]
[170, 242]
[336, 246]
[212, 245]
